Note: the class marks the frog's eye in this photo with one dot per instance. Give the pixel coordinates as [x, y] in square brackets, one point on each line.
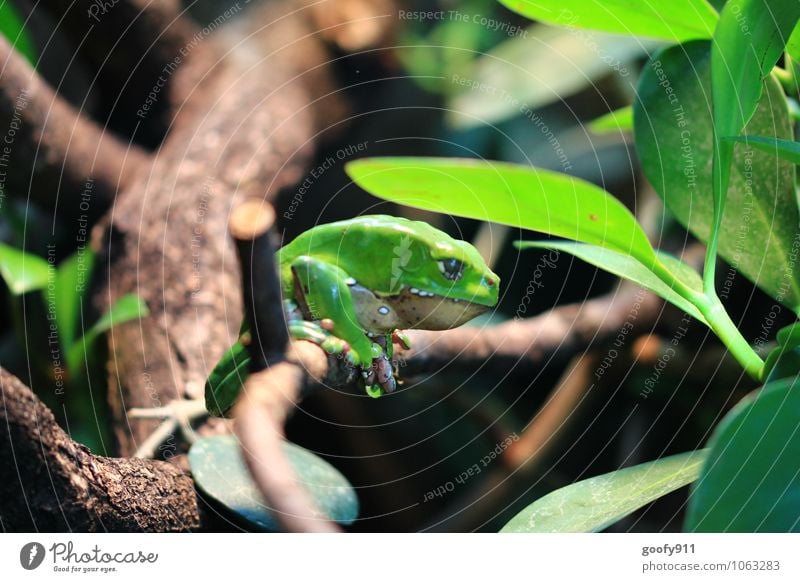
[452, 269]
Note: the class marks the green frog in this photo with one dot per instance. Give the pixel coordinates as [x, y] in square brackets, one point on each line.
[350, 286]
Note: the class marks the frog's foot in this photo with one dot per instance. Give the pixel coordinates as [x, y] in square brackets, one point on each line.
[177, 415]
[318, 333]
[379, 378]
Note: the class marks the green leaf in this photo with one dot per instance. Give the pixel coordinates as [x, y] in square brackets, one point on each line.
[783, 148]
[674, 141]
[596, 503]
[528, 72]
[225, 381]
[750, 481]
[221, 474]
[72, 282]
[511, 194]
[613, 121]
[789, 335]
[629, 268]
[793, 44]
[12, 27]
[748, 41]
[675, 20]
[784, 360]
[23, 272]
[127, 308]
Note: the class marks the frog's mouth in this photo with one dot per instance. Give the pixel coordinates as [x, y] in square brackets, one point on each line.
[425, 310]
[411, 308]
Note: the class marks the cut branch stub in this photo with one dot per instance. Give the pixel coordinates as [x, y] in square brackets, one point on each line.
[251, 225]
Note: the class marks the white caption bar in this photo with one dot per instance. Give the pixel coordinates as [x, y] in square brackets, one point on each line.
[399, 557]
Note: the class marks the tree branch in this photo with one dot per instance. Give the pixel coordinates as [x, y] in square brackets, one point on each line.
[53, 150]
[133, 47]
[52, 483]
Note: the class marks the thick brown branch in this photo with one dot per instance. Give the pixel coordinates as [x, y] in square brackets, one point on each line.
[53, 150]
[52, 483]
[244, 134]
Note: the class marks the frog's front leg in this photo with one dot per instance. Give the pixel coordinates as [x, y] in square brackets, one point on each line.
[324, 294]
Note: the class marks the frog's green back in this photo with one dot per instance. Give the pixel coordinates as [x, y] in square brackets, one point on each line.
[387, 253]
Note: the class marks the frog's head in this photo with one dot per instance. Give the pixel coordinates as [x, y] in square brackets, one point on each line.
[438, 282]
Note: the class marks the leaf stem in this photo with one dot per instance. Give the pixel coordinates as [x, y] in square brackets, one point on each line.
[717, 317]
[718, 320]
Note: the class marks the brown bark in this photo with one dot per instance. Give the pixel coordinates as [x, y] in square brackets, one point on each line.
[245, 131]
[51, 483]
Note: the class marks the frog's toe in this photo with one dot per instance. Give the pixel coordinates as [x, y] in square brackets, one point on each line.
[375, 391]
[351, 357]
[308, 331]
[369, 376]
[383, 372]
[401, 339]
[334, 345]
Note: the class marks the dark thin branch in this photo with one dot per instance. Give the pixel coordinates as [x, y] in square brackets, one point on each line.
[52, 483]
[53, 150]
[274, 386]
[251, 228]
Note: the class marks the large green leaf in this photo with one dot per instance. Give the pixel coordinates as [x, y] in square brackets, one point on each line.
[220, 472]
[784, 360]
[23, 272]
[527, 72]
[12, 27]
[629, 268]
[751, 479]
[793, 44]
[596, 503]
[748, 40]
[783, 148]
[127, 308]
[673, 20]
[674, 140]
[510, 194]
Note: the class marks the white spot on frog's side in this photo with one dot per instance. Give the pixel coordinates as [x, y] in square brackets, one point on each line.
[350, 282]
[383, 310]
[414, 290]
